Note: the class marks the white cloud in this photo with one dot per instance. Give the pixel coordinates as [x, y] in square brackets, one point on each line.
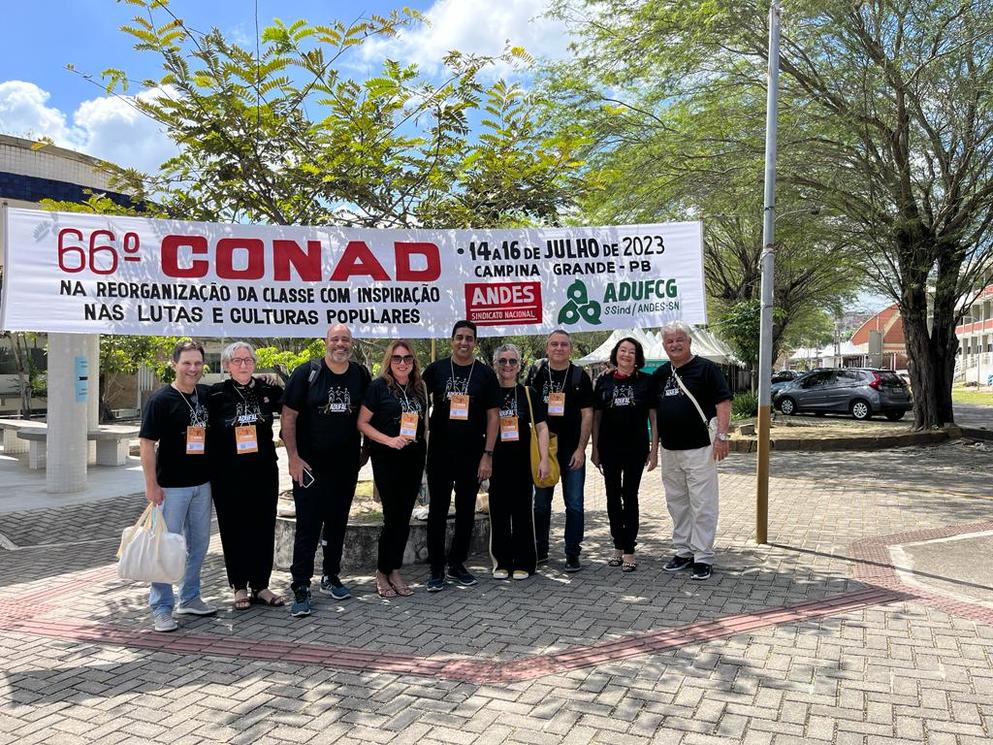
[482, 27]
[107, 127]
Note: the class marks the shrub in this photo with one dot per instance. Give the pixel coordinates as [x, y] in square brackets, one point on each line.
[744, 405]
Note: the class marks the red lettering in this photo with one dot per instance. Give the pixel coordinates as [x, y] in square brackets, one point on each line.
[428, 250]
[358, 259]
[306, 263]
[170, 256]
[225, 258]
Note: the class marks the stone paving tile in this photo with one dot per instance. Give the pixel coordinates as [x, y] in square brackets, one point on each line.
[895, 673]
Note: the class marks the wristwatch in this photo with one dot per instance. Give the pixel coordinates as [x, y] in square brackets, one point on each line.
[723, 436]
[488, 452]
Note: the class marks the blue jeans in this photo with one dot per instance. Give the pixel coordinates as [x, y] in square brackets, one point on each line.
[187, 511]
[572, 494]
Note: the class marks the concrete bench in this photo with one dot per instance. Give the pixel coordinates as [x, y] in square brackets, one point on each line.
[113, 444]
[11, 444]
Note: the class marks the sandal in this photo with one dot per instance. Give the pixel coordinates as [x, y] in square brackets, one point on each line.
[629, 566]
[241, 600]
[402, 590]
[385, 591]
[615, 561]
[267, 597]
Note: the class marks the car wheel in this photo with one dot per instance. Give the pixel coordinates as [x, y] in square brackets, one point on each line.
[788, 406]
[860, 409]
[895, 416]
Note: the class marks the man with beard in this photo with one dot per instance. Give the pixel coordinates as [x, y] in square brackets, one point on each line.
[323, 446]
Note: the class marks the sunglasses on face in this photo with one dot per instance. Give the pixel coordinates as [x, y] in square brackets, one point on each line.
[405, 359]
[504, 361]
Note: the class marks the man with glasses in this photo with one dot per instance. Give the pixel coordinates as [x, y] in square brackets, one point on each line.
[463, 431]
[323, 446]
[567, 394]
[173, 440]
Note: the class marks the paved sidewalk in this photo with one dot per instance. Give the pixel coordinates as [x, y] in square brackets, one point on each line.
[868, 620]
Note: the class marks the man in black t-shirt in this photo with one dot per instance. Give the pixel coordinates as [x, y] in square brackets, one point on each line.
[689, 460]
[323, 446]
[464, 422]
[174, 462]
[567, 393]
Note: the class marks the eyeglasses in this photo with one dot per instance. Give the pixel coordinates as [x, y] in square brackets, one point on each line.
[504, 361]
[406, 359]
[242, 361]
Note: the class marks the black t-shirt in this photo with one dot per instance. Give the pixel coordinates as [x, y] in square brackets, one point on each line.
[680, 424]
[167, 415]
[578, 389]
[514, 402]
[327, 411]
[230, 405]
[623, 405]
[443, 378]
[388, 404]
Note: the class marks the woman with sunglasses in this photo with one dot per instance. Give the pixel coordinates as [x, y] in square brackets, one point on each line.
[392, 419]
[244, 476]
[511, 485]
[624, 407]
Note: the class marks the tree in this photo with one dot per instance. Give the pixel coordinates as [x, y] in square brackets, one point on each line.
[886, 119]
[278, 134]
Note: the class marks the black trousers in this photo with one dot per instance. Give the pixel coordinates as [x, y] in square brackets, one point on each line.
[512, 509]
[245, 502]
[397, 474]
[324, 504]
[622, 477]
[450, 468]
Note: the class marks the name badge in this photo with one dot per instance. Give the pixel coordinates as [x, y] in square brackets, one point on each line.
[196, 440]
[508, 429]
[458, 406]
[623, 401]
[408, 424]
[672, 392]
[556, 404]
[245, 439]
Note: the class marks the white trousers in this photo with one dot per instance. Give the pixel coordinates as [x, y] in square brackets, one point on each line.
[691, 494]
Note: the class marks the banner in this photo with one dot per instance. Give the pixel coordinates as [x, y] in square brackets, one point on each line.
[83, 273]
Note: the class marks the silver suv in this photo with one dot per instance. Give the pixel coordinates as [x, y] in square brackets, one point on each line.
[859, 391]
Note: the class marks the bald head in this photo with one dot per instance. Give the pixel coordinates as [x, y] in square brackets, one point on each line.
[339, 346]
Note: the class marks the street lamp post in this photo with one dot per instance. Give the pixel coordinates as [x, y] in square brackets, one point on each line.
[768, 268]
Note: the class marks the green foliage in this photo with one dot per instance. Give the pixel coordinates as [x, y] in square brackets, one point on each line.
[279, 134]
[740, 326]
[744, 405]
[270, 357]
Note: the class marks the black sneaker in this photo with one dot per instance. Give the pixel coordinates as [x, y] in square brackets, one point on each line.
[572, 564]
[461, 576]
[678, 563]
[436, 583]
[332, 586]
[701, 571]
[301, 603]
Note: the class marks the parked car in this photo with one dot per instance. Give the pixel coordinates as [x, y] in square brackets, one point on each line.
[859, 391]
[780, 379]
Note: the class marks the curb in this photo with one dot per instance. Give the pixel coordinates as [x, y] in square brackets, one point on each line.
[873, 442]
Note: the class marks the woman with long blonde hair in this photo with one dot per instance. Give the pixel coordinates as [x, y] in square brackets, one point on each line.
[392, 418]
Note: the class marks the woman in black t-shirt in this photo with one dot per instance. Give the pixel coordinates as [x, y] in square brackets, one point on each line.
[392, 419]
[623, 409]
[511, 485]
[244, 479]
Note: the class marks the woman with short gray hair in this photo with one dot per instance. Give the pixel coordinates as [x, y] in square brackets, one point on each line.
[244, 477]
[511, 484]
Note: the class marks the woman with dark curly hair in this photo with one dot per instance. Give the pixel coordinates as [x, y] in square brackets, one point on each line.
[392, 419]
[623, 410]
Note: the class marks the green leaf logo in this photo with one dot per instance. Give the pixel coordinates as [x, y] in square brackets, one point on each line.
[579, 306]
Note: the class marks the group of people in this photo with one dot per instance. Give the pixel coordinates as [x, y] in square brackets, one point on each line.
[461, 420]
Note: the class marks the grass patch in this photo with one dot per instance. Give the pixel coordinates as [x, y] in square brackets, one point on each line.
[972, 396]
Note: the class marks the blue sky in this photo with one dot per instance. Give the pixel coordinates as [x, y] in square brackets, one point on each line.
[39, 97]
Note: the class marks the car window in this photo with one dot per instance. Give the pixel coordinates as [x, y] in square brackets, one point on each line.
[815, 380]
[890, 379]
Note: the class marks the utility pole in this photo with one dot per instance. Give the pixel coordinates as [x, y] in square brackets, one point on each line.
[768, 262]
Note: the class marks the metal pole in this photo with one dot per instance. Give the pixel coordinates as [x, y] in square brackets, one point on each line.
[768, 262]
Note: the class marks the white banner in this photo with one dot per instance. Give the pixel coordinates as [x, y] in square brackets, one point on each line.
[83, 273]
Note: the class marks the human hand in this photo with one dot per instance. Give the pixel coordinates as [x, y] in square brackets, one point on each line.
[154, 494]
[485, 467]
[577, 460]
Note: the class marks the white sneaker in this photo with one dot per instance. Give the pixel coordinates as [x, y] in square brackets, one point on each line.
[521, 574]
[195, 607]
[164, 621]
[501, 574]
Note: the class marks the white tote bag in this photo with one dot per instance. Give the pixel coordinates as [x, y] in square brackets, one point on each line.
[149, 553]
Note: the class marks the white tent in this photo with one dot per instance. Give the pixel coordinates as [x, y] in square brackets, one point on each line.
[704, 344]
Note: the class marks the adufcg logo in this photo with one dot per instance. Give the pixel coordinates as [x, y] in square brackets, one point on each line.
[579, 307]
